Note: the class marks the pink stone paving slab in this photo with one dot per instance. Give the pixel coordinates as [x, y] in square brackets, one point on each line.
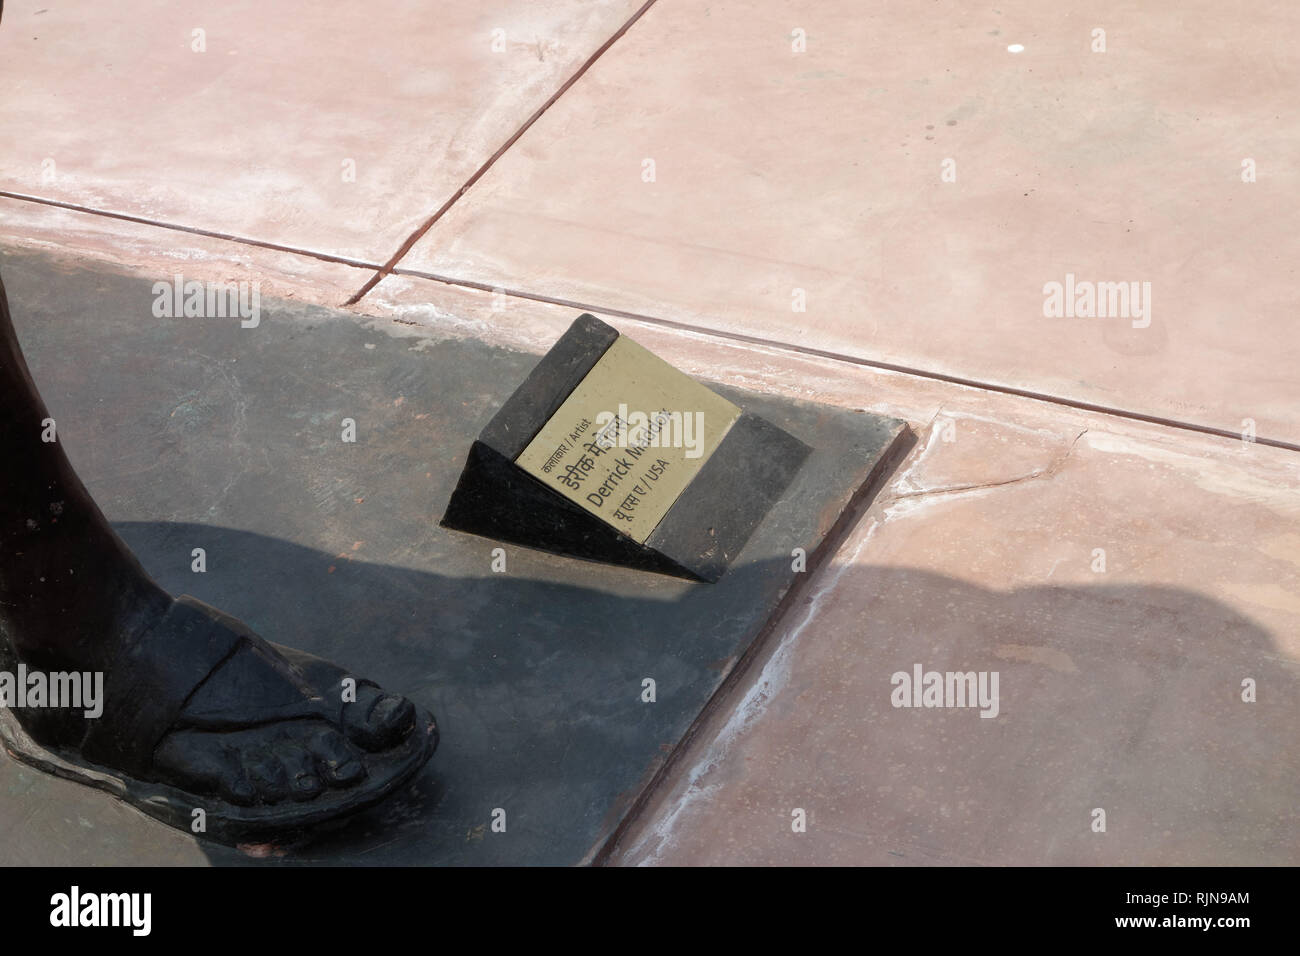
[1129, 586]
[334, 128]
[705, 171]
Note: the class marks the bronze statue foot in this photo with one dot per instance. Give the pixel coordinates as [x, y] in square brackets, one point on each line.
[209, 728]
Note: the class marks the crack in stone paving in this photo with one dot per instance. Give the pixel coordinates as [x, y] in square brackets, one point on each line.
[1049, 472]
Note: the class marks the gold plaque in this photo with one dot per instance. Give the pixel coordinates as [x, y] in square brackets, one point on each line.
[629, 439]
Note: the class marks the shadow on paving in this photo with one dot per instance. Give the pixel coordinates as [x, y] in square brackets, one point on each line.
[1119, 697]
[536, 686]
[1125, 698]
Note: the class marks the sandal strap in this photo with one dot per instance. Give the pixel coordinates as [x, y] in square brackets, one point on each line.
[146, 691]
[328, 676]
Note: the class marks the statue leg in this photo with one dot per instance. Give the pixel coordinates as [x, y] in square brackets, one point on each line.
[194, 710]
[72, 593]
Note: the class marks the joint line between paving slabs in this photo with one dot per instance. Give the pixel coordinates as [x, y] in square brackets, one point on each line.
[191, 230]
[428, 224]
[853, 360]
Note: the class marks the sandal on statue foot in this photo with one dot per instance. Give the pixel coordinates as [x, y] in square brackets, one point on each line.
[202, 714]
